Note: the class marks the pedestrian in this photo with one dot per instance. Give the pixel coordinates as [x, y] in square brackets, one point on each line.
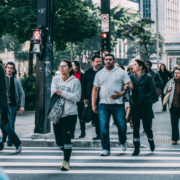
[157, 80]
[4, 112]
[130, 69]
[80, 105]
[174, 68]
[141, 104]
[16, 96]
[68, 87]
[110, 81]
[165, 76]
[88, 81]
[173, 86]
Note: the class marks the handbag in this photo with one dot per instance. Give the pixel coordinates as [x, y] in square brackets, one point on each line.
[87, 113]
[158, 91]
[166, 98]
[55, 108]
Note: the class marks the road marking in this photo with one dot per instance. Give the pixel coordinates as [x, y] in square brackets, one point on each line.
[93, 157]
[10, 171]
[37, 164]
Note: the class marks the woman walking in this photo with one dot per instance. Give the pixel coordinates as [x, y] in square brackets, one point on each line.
[80, 105]
[141, 105]
[173, 86]
[165, 76]
[68, 87]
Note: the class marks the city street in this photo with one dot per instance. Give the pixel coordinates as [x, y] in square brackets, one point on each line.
[44, 162]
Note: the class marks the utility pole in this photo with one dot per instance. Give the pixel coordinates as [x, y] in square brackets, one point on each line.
[105, 27]
[157, 33]
[43, 65]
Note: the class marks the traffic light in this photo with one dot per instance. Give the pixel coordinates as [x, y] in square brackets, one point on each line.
[37, 41]
[105, 41]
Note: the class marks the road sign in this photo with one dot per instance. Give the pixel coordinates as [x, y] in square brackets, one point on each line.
[105, 23]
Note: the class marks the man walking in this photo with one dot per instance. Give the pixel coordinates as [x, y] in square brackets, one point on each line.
[16, 96]
[112, 82]
[4, 122]
[88, 80]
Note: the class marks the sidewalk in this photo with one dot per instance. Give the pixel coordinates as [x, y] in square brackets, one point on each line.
[25, 130]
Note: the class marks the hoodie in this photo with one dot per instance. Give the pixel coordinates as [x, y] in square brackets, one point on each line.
[70, 91]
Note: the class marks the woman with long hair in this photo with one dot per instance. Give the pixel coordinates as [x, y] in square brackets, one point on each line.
[80, 105]
[165, 76]
[141, 105]
[68, 87]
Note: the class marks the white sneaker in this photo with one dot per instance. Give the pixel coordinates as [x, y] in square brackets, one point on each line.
[18, 149]
[105, 153]
[124, 146]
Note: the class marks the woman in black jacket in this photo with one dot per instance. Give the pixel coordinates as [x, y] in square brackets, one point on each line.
[141, 105]
[165, 76]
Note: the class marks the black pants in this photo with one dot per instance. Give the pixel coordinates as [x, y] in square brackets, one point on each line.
[175, 115]
[143, 112]
[63, 131]
[80, 106]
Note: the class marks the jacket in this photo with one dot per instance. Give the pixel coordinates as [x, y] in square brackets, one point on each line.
[143, 90]
[19, 93]
[3, 88]
[70, 91]
[171, 82]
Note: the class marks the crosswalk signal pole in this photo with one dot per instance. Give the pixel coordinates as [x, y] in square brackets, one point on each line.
[105, 27]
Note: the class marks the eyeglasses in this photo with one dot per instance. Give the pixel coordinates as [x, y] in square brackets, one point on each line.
[62, 66]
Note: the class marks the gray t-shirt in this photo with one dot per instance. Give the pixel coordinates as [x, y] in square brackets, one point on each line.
[109, 82]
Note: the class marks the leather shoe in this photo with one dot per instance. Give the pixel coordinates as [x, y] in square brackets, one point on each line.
[96, 138]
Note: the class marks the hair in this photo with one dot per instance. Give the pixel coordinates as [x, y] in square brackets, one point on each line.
[122, 67]
[142, 63]
[94, 57]
[14, 67]
[149, 62]
[69, 65]
[77, 65]
[178, 69]
[165, 69]
[110, 55]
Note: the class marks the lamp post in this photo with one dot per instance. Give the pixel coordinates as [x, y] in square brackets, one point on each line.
[157, 33]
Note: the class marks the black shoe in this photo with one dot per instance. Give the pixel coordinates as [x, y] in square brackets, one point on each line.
[1, 146]
[82, 136]
[151, 144]
[9, 144]
[136, 152]
[136, 148]
[96, 138]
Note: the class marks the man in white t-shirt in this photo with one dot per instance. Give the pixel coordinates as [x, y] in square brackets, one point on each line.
[112, 82]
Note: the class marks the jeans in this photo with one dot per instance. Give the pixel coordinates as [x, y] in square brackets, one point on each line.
[175, 115]
[10, 132]
[118, 113]
[12, 118]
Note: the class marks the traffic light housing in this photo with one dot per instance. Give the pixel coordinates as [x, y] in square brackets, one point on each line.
[37, 41]
[105, 41]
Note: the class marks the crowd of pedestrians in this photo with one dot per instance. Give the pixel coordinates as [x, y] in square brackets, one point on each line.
[105, 91]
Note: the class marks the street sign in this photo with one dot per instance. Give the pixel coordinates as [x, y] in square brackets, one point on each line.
[105, 23]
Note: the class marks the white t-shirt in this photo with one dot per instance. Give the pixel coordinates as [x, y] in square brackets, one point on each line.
[109, 82]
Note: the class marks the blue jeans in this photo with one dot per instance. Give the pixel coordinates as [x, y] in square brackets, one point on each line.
[10, 132]
[118, 113]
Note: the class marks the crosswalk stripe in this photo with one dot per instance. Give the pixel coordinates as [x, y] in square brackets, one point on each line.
[92, 152]
[9, 171]
[95, 157]
[37, 164]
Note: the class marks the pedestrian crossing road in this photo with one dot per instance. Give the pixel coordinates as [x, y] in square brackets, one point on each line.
[84, 161]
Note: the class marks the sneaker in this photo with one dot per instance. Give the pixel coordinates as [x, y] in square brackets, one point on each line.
[105, 153]
[18, 149]
[1, 146]
[65, 166]
[124, 146]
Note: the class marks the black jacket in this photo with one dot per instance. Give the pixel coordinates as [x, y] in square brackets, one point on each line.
[165, 76]
[3, 88]
[87, 84]
[143, 90]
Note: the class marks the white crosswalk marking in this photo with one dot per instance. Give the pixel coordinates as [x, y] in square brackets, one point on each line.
[87, 161]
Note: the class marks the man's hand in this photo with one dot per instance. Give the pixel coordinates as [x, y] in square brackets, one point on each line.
[58, 92]
[117, 94]
[86, 101]
[21, 110]
[94, 108]
[169, 89]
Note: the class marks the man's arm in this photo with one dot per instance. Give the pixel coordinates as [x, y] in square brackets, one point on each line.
[94, 98]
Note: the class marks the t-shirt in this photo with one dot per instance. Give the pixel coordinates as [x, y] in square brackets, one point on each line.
[109, 82]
